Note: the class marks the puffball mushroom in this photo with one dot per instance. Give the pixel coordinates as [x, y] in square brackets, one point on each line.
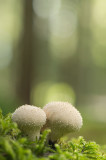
[30, 120]
[62, 118]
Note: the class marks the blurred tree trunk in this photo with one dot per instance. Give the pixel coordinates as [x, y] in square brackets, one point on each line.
[26, 55]
[84, 46]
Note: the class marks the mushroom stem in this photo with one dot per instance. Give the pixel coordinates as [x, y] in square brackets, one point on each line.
[33, 134]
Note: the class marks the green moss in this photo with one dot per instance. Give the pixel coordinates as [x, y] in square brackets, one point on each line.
[14, 146]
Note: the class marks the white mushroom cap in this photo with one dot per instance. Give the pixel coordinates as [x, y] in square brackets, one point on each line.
[30, 119]
[62, 118]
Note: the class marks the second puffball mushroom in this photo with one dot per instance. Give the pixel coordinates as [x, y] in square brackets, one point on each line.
[62, 118]
[29, 119]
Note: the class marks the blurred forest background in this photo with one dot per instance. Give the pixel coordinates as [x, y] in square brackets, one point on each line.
[55, 50]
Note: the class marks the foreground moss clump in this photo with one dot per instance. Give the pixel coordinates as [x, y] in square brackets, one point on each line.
[13, 146]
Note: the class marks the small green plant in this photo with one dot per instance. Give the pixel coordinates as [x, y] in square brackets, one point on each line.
[14, 146]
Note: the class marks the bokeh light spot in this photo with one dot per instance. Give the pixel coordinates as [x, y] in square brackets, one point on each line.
[61, 92]
[64, 23]
[49, 91]
[46, 8]
[99, 15]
